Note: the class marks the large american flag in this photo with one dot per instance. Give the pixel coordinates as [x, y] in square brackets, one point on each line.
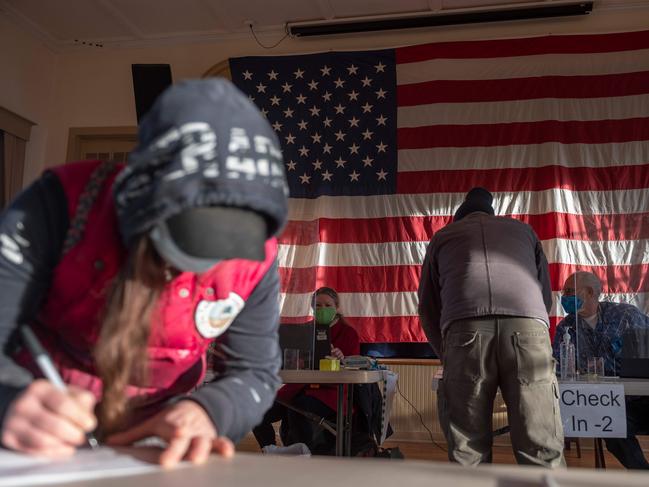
[381, 146]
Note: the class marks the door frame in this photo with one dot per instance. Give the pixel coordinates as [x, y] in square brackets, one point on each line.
[77, 135]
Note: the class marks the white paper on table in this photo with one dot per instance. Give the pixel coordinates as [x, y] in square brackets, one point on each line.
[18, 470]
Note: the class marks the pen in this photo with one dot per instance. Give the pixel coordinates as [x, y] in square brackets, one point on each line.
[46, 365]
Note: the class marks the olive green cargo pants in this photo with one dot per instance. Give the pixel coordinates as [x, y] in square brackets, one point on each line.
[513, 354]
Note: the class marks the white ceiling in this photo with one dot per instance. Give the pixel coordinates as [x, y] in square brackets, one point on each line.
[67, 23]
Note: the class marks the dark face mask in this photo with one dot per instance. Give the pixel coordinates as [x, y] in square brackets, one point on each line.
[571, 304]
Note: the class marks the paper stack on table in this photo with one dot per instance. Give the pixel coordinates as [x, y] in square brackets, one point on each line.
[18, 470]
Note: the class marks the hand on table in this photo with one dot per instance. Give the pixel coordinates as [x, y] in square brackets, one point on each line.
[47, 421]
[336, 352]
[187, 429]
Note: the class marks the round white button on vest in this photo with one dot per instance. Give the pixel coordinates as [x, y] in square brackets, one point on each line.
[209, 291]
[212, 318]
[183, 293]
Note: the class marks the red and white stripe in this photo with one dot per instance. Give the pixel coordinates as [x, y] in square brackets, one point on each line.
[556, 127]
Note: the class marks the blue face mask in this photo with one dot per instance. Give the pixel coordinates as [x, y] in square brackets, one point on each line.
[571, 304]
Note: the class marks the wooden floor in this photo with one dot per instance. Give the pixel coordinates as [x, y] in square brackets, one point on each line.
[502, 454]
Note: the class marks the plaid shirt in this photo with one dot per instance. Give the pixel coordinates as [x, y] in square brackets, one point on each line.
[606, 339]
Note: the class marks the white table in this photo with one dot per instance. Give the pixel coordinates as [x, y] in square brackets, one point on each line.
[345, 401]
[278, 471]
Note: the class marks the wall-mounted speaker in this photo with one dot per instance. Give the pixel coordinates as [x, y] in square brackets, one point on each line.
[149, 80]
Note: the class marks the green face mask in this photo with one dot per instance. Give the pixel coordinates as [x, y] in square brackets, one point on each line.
[324, 316]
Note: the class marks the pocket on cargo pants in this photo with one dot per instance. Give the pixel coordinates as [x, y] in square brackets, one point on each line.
[534, 363]
[537, 433]
[462, 357]
[540, 429]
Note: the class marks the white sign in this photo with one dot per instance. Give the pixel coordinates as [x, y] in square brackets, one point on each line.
[593, 410]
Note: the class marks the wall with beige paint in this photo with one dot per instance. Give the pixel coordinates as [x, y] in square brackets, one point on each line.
[28, 71]
[93, 86]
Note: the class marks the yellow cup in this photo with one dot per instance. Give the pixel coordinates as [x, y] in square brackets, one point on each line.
[331, 364]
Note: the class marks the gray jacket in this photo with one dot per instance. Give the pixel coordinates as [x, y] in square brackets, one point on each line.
[482, 265]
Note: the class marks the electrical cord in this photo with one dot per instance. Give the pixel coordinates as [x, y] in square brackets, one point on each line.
[421, 419]
[252, 31]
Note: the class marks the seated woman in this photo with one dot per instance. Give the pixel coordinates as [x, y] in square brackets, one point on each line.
[317, 400]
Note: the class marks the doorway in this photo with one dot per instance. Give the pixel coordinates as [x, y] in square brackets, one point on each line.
[102, 143]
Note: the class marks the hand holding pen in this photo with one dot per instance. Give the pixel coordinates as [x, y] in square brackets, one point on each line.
[47, 418]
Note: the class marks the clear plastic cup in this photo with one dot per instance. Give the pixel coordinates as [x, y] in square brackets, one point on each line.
[291, 359]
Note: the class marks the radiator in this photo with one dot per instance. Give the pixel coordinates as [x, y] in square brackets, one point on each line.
[415, 386]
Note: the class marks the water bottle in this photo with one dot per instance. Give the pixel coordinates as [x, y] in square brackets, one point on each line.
[567, 358]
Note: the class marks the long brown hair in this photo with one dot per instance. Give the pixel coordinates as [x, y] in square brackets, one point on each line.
[120, 353]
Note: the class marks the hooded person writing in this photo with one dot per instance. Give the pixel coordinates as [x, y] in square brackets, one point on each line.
[128, 275]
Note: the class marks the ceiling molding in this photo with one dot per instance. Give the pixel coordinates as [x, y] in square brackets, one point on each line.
[176, 38]
[29, 26]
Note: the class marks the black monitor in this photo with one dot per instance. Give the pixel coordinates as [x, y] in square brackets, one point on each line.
[635, 354]
[634, 368]
[307, 337]
[297, 337]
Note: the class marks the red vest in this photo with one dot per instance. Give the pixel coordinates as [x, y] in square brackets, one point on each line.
[70, 320]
